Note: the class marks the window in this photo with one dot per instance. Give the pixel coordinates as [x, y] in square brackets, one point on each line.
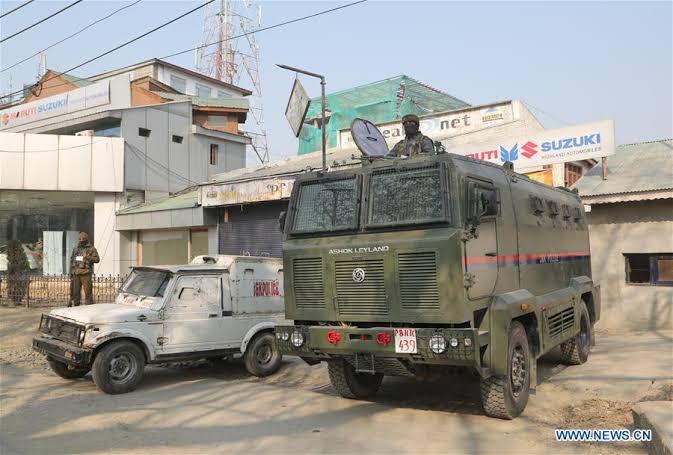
[144, 132]
[202, 91]
[566, 212]
[177, 139]
[553, 208]
[221, 94]
[406, 196]
[573, 173]
[326, 205]
[149, 283]
[179, 84]
[536, 205]
[214, 148]
[654, 269]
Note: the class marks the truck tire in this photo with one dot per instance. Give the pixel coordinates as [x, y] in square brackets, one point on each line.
[118, 367]
[505, 397]
[262, 357]
[63, 371]
[576, 350]
[350, 384]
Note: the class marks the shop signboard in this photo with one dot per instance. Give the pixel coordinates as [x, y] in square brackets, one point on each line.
[443, 125]
[94, 95]
[574, 143]
[297, 107]
[246, 192]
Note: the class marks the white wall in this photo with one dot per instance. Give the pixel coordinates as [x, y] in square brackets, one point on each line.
[106, 238]
[61, 163]
[164, 75]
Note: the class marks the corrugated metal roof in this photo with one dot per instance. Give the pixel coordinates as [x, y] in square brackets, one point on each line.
[231, 103]
[180, 201]
[295, 165]
[646, 166]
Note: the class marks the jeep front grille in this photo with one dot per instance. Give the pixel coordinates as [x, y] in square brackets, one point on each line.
[418, 281]
[309, 291]
[60, 329]
[365, 298]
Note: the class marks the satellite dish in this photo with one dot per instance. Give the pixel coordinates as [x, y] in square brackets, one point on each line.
[368, 138]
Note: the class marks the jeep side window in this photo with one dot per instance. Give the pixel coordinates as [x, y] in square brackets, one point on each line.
[482, 201]
[197, 292]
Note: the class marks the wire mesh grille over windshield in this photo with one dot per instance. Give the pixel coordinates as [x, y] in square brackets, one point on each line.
[406, 196]
[326, 206]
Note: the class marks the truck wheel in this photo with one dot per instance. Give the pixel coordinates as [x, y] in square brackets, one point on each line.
[576, 350]
[262, 357]
[118, 367]
[505, 397]
[350, 384]
[65, 372]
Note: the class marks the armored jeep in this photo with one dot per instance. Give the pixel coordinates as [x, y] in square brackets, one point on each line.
[421, 266]
[217, 307]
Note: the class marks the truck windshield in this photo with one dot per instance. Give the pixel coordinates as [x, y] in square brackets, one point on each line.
[326, 205]
[407, 196]
[149, 283]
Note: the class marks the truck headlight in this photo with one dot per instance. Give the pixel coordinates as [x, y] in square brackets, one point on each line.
[437, 344]
[297, 339]
[454, 342]
[285, 336]
[468, 342]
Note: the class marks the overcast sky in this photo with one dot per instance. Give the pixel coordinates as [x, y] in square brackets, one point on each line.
[576, 62]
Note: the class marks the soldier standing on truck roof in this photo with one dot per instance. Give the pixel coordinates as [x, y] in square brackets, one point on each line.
[82, 259]
[414, 143]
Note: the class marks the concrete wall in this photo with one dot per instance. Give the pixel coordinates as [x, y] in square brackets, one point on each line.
[128, 250]
[631, 227]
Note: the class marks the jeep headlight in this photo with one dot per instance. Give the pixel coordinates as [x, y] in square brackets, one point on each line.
[297, 339]
[437, 344]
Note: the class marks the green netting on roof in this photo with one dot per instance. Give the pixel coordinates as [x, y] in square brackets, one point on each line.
[378, 102]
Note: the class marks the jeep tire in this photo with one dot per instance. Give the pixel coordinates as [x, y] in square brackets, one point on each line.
[66, 372]
[350, 384]
[262, 357]
[575, 351]
[118, 367]
[505, 397]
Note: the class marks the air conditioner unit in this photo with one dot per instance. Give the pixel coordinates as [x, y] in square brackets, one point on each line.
[85, 133]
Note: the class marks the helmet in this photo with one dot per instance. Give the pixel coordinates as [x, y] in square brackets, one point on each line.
[411, 118]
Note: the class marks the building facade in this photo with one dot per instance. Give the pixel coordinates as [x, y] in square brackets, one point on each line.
[630, 216]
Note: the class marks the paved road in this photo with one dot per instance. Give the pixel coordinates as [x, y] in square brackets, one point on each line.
[215, 409]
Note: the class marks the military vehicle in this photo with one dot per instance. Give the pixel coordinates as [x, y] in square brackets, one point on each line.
[427, 265]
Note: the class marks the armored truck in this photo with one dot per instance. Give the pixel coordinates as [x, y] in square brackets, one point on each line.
[431, 264]
[217, 307]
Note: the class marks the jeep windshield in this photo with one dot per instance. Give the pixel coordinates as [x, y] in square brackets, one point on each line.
[147, 283]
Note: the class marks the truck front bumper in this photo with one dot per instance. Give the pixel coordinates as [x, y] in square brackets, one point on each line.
[61, 351]
[324, 342]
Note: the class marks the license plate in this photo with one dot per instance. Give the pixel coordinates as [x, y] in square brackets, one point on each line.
[405, 341]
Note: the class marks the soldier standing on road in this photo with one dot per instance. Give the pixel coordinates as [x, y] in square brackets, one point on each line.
[82, 259]
[414, 142]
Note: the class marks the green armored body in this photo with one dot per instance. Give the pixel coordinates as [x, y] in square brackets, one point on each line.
[419, 266]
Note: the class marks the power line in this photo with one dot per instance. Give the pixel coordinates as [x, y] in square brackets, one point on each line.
[40, 21]
[70, 36]
[299, 19]
[209, 44]
[193, 10]
[547, 114]
[17, 8]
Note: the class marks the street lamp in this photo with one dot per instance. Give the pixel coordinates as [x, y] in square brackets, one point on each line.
[322, 101]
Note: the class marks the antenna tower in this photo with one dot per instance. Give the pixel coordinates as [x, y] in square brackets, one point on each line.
[236, 60]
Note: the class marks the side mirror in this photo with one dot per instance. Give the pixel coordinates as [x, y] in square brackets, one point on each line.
[281, 221]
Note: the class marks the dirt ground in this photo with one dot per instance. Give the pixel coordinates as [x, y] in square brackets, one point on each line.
[200, 407]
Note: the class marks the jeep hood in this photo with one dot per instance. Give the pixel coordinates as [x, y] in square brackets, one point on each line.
[104, 313]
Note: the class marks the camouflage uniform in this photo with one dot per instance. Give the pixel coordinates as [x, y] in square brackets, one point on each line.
[81, 270]
[415, 143]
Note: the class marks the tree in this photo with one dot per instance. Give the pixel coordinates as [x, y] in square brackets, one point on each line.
[17, 268]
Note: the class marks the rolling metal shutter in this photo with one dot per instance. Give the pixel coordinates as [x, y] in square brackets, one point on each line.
[252, 230]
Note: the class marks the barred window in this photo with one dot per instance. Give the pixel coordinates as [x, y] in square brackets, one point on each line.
[326, 205]
[406, 196]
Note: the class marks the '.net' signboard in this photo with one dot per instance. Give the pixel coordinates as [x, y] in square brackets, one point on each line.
[575, 143]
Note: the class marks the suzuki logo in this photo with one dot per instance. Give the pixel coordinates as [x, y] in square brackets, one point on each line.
[358, 275]
[529, 149]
